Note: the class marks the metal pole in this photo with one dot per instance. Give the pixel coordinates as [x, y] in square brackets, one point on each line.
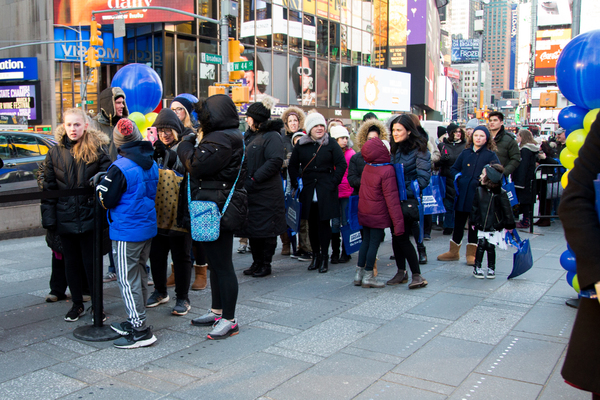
[576, 18]
[83, 83]
[224, 41]
[479, 70]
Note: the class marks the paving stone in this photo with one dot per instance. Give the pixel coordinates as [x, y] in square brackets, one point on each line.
[276, 328]
[537, 321]
[522, 359]
[245, 379]
[294, 355]
[148, 382]
[521, 291]
[485, 286]
[557, 389]
[56, 352]
[539, 274]
[387, 305]
[78, 373]
[328, 337]
[562, 290]
[311, 288]
[401, 337]
[548, 261]
[488, 387]
[352, 376]
[307, 314]
[22, 276]
[484, 325]
[216, 354]
[373, 355]
[72, 345]
[446, 305]
[381, 390]
[350, 293]
[418, 383]
[111, 389]
[21, 361]
[36, 385]
[246, 314]
[178, 367]
[459, 359]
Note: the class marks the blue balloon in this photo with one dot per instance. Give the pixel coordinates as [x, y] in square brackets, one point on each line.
[570, 276]
[571, 118]
[142, 86]
[194, 99]
[578, 68]
[568, 262]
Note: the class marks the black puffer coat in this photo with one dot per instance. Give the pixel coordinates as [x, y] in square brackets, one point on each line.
[266, 204]
[507, 151]
[214, 164]
[491, 210]
[71, 214]
[525, 173]
[449, 152]
[417, 165]
[323, 174]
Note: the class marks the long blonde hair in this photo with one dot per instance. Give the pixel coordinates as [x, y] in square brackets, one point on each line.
[87, 147]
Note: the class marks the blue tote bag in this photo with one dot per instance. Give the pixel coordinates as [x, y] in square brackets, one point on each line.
[352, 238]
[433, 199]
[510, 191]
[293, 211]
[352, 213]
[416, 192]
[399, 168]
[522, 259]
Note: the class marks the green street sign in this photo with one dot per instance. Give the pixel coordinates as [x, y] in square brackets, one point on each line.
[240, 66]
[208, 58]
[89, 102]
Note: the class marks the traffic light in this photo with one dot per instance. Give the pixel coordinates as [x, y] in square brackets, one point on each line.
[235, 51]
[478, 114]
[95, 33]
[486, 114]
[91, 58]
[93, 76]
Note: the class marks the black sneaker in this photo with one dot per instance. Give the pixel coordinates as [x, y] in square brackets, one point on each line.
[182, 306]
[122, 328]
[156, 299]
[91, 312]
[75, 312]
[305, 256]
[136, 339]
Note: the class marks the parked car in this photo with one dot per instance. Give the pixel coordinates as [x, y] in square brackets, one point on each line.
[22, 153]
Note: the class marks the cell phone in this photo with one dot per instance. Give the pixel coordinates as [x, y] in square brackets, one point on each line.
[152, 134]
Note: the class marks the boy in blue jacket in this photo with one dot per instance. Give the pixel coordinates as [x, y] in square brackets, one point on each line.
[128, 192]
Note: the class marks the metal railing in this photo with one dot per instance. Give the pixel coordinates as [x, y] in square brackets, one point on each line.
[547, 187]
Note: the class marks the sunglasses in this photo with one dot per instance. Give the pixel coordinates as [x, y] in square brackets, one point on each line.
[304, 71]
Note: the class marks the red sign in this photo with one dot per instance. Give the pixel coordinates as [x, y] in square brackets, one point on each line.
[75, 12]
[451, 73]
[548, 46]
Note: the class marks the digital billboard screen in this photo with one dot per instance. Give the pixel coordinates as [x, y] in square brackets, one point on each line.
[380, 89]
[21, 101]
[465, 51]
[553, 12]
[548, 46]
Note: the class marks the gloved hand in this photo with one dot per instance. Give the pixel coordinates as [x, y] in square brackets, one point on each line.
[96, 179]
[159, 150]
[445, 158]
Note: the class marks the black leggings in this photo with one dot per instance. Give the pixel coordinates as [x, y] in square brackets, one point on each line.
[180, 247]
[319, 231]
[223, 282]
[79, 262]
[460, 219]
[263, 249]
[198, 253]
[403, 248]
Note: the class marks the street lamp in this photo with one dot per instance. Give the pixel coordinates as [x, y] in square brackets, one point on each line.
[478, 28]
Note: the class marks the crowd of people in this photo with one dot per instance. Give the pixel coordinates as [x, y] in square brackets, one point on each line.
[196, 152]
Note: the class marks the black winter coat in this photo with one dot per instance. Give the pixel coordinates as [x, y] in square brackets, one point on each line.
[417, 165]
[491, 210]
[355, 170]
[71, 214]
[449, 152]
[265, 152]
[507, 151]
[214, 164]
[582, 231]
[525, 173]
[323, 174]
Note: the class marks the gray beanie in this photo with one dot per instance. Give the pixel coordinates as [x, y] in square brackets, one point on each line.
[126, 131]
[473, 123]
[313, 120]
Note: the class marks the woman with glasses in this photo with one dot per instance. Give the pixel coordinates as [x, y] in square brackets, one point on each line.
[183, 108]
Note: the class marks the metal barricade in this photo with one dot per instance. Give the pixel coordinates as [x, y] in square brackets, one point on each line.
[546, 187]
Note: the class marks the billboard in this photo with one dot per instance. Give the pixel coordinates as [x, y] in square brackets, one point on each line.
[75, 12]
[514, 23]
[554, 12]
[111, 51]
[397, 33]
[548, 46]
[25, 69]
[21, 101]
[465, 51]
[417, 22]
[380, 89]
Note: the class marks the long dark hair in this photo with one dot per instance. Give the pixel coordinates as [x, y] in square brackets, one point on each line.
[414, 141]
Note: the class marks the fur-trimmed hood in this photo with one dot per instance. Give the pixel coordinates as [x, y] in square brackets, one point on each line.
[100, 139]
[271, 125]
[363, 131]
[106, 101]
[531, 147]
[301, 118]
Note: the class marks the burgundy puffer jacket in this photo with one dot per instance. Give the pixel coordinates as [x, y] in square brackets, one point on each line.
[379, 202]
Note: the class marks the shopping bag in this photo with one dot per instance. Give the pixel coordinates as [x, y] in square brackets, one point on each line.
[352, 238]
[352, 213]
[522, 259]
[399, 168]
[440, 181]
[293, 211]
[167, 195]
[416, 192]
[510, 191]
[433, 200]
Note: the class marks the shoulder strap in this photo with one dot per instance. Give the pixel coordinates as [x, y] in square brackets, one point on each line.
[311, 160]
[377, 165]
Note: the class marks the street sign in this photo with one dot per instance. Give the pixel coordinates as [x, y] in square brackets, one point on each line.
[89, 102]
[240, 66]
[208, 58]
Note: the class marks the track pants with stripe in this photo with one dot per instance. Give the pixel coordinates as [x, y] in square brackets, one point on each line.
[130, 260]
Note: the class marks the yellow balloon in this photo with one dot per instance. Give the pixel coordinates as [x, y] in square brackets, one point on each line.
[150, 118]
[567, 159]
[575, 140]
[139, 119]
[565, 180]
[576, 283]
[589, 119]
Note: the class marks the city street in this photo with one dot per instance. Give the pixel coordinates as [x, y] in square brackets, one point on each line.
[305, 335]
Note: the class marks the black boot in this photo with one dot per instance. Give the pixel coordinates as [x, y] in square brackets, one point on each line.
[316, 262]
[344, 258]
[335, 247]
[422, 253]
[324, 268]
[264, 270]
[252, 270]
[481, 247]
[491, 254]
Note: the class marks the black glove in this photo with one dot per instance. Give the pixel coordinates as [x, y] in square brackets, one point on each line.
[159, 150]
[96, 179]
[445, 158]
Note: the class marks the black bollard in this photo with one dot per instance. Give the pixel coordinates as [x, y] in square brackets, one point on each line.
[98, 332]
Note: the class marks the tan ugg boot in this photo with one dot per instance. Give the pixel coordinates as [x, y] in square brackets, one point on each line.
[200, 281]
[171, 278]
[471, 251]
[452, 254]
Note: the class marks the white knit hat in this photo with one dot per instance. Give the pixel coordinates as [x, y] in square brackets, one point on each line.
[339, 132]
[313, 120]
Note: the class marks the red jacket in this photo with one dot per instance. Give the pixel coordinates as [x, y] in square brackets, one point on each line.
[379, 202]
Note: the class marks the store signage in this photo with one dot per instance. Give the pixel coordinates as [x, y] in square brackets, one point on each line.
[465, 50]
[24, 69]
[451, 73]
[548, 46]
[211, 58]
[20, 101]
[112, 51]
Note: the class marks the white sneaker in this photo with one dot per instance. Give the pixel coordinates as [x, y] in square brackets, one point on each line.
[491, 274]
[478, 273]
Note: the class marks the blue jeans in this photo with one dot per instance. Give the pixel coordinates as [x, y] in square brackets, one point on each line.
[336, 222]
[371, 238]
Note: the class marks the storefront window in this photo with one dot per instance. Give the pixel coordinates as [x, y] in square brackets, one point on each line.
[322, 37]
[322, 87]
[187, 70]
[295, 31]
[264, 29]
[302, 77]
[309, 34]
[262, 70]
[208, 8]
[334, 40]
[345, 39]
[279, 77]
[169, 68]
[334, 84]
[208, 72]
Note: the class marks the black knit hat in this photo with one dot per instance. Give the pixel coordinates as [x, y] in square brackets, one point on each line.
[441, 131]
[261, 111]
[185, 102]
[451, 128]
[168, 119]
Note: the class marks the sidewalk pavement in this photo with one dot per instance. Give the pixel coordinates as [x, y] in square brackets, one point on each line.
[305, 335]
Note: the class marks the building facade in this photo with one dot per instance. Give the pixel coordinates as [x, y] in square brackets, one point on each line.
[497, 43]
[467, 87]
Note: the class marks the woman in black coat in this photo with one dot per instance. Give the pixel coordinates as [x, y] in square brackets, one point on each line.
[80, 153]
[450, 149]
[582, 229]
[265, 152]
[320, 163]
[524, 175]
[213, 167]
